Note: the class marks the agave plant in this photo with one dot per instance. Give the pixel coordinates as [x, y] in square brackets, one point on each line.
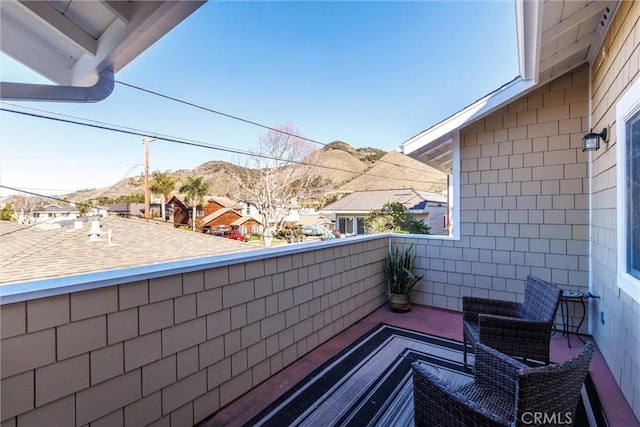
[398, 267]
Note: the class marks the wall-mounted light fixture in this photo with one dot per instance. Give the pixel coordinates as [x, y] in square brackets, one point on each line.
[591, 141]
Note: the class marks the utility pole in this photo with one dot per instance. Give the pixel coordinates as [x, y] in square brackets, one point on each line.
[146, 179]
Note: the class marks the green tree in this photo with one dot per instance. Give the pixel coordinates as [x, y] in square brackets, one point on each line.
[393, 217]
[162, 183]
[83, 208]
[194, 188]
[7, 213]
[131, 198]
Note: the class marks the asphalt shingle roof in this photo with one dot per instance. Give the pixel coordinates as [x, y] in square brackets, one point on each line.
[51, 250]
[366, 201]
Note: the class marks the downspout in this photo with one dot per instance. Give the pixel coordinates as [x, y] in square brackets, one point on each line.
[12, 91]
[590, 301]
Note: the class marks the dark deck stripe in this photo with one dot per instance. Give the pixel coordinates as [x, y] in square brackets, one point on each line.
[367, 406]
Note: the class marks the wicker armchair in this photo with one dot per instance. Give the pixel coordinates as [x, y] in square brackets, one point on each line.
[504, 392]
[516, 329]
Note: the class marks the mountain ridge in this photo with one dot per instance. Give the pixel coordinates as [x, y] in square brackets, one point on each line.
[347, 168]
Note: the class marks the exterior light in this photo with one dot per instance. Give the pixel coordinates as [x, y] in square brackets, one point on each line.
[591, 141]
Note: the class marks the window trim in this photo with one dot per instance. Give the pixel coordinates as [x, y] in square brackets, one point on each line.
[626, 107]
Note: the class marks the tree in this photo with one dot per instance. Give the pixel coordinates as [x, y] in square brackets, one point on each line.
[194, 188]
[162, 183]
[273, 178]
[393, 217]
[83, 208]
[130, 198]
[24, 207]
[7, 213]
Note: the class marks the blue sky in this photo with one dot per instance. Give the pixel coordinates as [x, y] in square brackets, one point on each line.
[367, 73]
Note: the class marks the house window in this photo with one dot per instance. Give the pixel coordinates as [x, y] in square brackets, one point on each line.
[345, 225]
[633, 195]
[243, 230]
[360, 222]
[247, 210]
[254, 229]
[199, 212]
[628, 183]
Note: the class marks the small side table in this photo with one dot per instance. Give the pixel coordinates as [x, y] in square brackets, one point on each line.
[569, 295]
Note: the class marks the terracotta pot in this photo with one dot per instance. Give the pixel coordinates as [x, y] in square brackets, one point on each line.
[399, 302]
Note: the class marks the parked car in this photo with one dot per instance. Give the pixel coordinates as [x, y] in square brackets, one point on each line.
[231, 234]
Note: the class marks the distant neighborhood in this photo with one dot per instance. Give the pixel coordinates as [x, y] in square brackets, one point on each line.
[339, 211]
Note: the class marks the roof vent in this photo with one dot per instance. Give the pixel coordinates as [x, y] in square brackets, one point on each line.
[96, 231]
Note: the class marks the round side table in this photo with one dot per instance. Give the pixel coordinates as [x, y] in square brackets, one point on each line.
[569, 295]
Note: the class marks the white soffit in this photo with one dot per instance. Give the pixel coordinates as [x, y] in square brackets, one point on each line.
[553, 37]
[70, 42]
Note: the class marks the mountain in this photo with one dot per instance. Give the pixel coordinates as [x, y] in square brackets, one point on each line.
[383, 175]
[345, 167]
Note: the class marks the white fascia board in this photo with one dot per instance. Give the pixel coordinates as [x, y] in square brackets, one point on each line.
[344, 213]
[529, 15]
[444, 130]
[123, 41]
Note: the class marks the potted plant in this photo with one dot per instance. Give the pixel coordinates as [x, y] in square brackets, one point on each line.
[400, 277]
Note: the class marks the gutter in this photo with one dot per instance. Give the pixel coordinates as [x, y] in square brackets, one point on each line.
[12, 91]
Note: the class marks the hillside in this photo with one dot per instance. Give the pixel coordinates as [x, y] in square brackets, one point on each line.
[219, 174]
[384, 175]
[345, 167]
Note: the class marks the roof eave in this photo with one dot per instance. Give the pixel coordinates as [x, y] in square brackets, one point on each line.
[529, 35]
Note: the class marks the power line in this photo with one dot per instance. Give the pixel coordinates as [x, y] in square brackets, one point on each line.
[193, 143]
[57, 199]
[251, 122]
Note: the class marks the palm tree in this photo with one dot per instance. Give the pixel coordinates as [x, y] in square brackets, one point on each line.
[162, 183]
[194, 188]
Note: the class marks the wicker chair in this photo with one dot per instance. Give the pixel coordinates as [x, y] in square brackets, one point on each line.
[516, 329]
[504, 392]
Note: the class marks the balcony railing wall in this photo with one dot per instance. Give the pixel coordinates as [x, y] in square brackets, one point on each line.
[176, 348]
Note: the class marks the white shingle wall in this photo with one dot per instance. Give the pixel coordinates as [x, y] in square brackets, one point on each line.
[523, 201]
[175, 349]
[619, 337]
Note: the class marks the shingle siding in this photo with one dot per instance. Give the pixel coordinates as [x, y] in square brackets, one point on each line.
[175, 349]
[619, 337]
[513, 164]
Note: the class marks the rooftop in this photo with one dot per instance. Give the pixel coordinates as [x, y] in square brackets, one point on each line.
[365, 201]
[41, 251]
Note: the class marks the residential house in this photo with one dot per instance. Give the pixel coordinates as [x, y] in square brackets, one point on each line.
[178, 212]
[134, 210]
[181, 214]
[219, 212]
[290, 213]
[247, 225]
[528, 199]
[218, 202]
[351, 210]
[143, 343]
[53, 213]
[221, 218]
